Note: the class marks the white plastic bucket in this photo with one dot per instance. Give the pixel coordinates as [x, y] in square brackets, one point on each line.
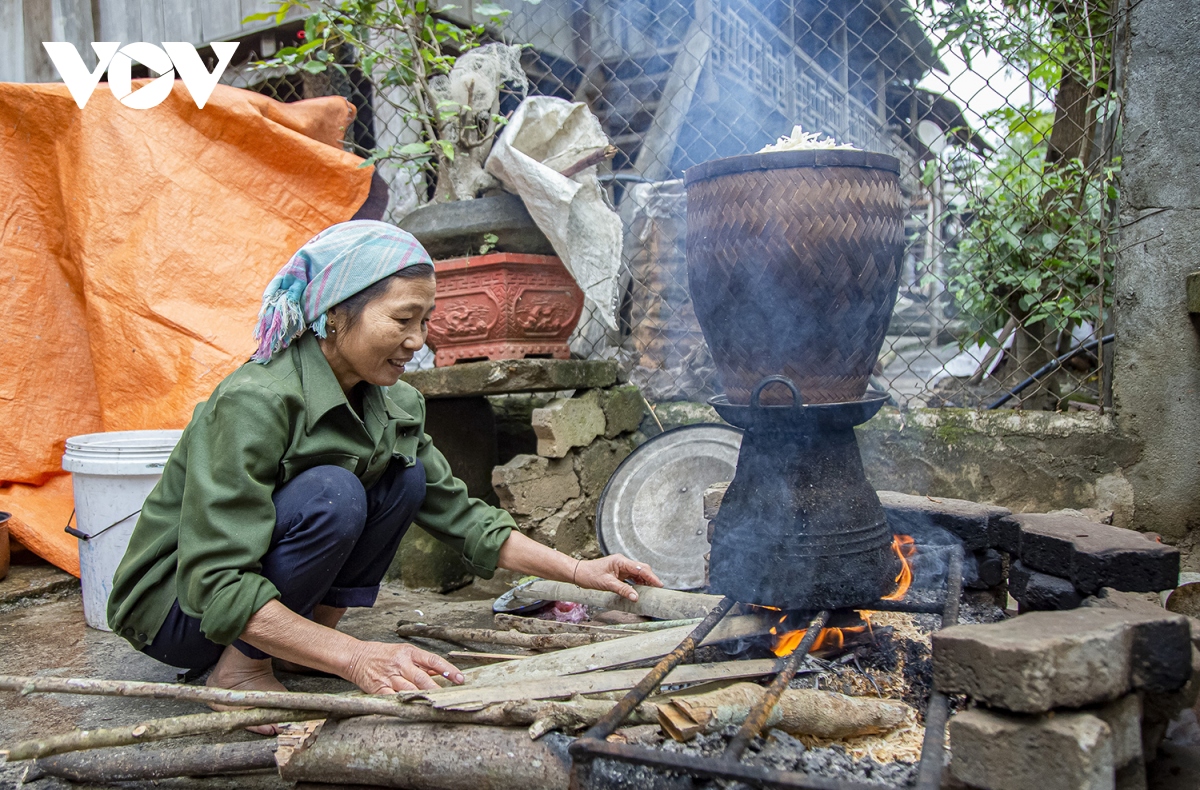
[112, 474]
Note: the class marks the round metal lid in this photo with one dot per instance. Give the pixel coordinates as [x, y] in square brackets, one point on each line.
[652, 509]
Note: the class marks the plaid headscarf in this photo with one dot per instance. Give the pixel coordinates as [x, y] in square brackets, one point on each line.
[334, 265]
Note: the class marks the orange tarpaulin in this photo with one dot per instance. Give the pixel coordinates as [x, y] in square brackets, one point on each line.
[134, 249]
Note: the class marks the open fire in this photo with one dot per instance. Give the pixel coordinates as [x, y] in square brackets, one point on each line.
[834, 637]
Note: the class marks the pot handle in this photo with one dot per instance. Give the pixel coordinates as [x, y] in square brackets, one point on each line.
[797, 398]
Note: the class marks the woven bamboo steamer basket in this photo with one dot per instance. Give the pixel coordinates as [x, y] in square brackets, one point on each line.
[793, 265]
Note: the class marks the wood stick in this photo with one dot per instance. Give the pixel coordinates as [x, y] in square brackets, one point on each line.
[132, 764]
[487, 636]
[986, 362]
[332, 704]
[532, 625]
[467, 655]
[798, 712]
[657, 625]
[652, 601]
[604, 655]
[473, 697]
[540, 716]
[594, 158]
[154, 730]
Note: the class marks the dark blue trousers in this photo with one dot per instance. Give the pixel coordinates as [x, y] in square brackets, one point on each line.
[333, 542]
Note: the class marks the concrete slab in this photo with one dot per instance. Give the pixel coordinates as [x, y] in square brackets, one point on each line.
[513, 375]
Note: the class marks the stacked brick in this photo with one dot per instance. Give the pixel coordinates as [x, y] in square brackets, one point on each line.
[1061, 559]
[1066, 700]
[580, 442]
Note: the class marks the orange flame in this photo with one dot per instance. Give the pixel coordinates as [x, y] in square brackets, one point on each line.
[905, 547]
[786, 644]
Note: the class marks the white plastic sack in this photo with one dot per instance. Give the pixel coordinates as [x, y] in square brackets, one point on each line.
[546, 135]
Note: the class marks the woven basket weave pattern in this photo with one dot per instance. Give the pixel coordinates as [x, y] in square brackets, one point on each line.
[794, 271]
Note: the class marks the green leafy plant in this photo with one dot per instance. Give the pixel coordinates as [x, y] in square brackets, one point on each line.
[404, 44]
[490, 240]
[1036, 243]
[1037, 213]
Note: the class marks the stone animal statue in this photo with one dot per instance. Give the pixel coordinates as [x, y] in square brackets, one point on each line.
[468, 97]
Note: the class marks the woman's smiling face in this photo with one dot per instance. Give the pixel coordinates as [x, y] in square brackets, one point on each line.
[391, 328]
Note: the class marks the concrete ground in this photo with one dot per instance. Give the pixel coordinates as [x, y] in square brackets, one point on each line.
[42, 632]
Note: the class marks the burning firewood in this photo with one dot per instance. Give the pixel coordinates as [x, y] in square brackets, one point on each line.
[799, 712]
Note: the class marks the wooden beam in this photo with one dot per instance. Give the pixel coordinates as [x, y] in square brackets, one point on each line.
[658, 146]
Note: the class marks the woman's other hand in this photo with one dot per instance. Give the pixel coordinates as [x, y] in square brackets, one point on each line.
[385, 668]
[610, 573]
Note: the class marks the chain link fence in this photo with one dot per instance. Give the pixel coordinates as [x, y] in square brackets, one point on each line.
[1003, 114]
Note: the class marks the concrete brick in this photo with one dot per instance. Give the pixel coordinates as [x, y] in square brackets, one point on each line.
[1041, 592]
[1109, 598]
[1124, 718]
[595, 464]
[976, 525]
[1160, 709]
[1131, 776]
[1095, 555]
[1045, 660]
[989, 570]
[623, 409]
[568, 422]
[999, 751]
[530, 485]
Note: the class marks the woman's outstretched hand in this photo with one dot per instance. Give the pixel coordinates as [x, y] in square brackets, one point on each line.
[384, 668]
[612, 572]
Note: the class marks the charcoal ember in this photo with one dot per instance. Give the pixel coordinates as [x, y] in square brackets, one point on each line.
[1095, 555]
[918, 676]
[1041, 592]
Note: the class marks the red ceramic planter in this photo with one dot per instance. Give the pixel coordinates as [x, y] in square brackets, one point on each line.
[503, 306]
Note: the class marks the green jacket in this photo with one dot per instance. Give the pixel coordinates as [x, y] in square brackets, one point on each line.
[206, 526]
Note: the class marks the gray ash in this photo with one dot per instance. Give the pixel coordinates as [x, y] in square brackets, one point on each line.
[780, 751]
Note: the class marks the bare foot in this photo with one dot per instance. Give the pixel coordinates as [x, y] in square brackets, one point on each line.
[238, 672]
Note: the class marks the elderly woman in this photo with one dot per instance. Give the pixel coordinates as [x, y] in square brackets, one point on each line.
[290, 490]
